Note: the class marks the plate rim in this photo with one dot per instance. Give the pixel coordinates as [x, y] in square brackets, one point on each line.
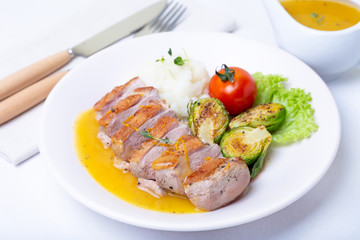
[76, 195]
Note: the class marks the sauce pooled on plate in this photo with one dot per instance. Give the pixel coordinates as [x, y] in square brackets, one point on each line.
[99, 163]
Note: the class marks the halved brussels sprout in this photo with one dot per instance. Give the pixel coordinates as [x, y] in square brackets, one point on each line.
[248, 143]
[208, 119]
[270, 115]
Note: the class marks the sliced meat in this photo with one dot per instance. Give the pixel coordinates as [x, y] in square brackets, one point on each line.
[187, 145]
[122, 105]
[208, 151]
[127, 107]
[136, 139]
[184, 166]
[144, 167]
[173, 166]
[170, 172]
[129, 137]
[112, 121]
[131, 125]
[176, 133]
[107, 121]
[111, 98]
[123, 165]
[151, 187]
[217, 182]
[162, 126]
[104, 138]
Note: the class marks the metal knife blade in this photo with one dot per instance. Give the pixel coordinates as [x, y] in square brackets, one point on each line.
[118, 30]
[36, 71]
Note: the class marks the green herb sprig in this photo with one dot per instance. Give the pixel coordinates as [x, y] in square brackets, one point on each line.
[160, 60]
[177, 61]
[146, 134]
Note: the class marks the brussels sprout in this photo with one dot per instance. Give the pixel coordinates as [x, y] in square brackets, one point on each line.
[248, 143]
[270, 115]
[208, 119]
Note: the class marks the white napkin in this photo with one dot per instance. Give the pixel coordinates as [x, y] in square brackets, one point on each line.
[19, 137]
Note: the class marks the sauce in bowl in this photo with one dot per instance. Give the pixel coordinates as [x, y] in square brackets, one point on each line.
[98, 161]
[323, 15]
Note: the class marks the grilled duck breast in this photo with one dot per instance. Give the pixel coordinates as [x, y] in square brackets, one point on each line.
[167, 157]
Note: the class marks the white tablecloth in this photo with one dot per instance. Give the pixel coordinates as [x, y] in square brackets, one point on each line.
[19, 137]
[33, 206]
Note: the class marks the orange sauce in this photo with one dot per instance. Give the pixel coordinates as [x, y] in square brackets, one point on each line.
[330, 15]
[99, 163]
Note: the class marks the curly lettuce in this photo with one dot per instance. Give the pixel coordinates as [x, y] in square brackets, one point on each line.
[299, 122]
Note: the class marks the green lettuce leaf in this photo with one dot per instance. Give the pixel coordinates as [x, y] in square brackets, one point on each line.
[299, 122]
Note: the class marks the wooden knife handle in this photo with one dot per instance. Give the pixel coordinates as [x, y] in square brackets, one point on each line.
[28, 97]
[32, 73]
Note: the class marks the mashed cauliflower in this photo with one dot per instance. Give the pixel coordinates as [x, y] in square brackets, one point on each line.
[176, 84]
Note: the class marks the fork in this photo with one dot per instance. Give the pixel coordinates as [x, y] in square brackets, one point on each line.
[27, 98]
[165, 21]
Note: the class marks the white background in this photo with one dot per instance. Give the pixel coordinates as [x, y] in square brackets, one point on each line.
[33, 206]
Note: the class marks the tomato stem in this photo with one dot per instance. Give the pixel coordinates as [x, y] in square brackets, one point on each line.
[228, 74]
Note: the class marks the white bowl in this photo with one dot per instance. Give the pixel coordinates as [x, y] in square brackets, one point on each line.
[329, 53]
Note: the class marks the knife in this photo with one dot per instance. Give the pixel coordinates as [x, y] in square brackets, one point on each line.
[36, 71]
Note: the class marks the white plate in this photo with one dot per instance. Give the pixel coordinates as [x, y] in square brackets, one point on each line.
[290, 171]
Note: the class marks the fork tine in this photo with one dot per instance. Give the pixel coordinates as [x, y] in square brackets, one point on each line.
[166, 24]
[166, 20]
[161, 22]
[172, 24]
[156, 20]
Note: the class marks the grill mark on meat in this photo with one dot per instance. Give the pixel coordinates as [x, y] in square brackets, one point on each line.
[179, 168]
[136, 139]
[208, 151]
[144, 168]
[184, 146]
[172, 168]
[136, 120]
[164, 125]
[210, 188]
[129, 137]
[106, 102]
[207, 168]
[121, 106]
[172, 177]
[186, 143]
[149, 94]
[144, 90]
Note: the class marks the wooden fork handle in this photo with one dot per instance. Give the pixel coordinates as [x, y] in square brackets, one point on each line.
[33, 73]
[28, 97]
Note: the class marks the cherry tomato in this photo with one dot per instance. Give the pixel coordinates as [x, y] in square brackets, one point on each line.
[234, 87]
